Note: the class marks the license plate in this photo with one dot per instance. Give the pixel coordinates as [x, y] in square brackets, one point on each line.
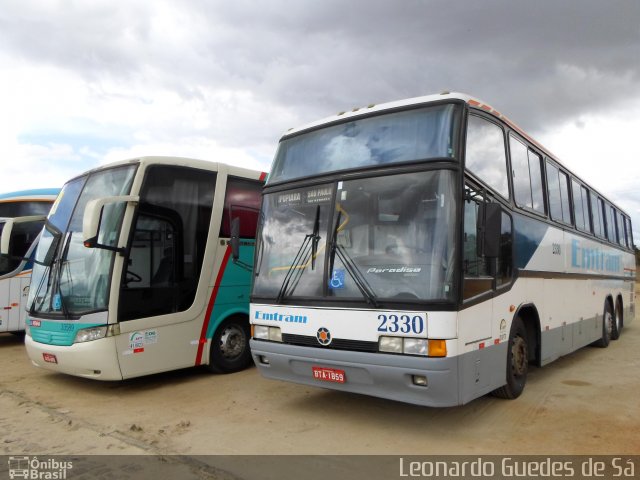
[49, 358]
[328, 374]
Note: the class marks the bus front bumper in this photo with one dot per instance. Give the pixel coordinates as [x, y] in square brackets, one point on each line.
[97, 359]
[376, 374]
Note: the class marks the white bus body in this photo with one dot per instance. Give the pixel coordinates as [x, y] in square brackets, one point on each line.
[26, 210]
[428, 251]
[139, 274]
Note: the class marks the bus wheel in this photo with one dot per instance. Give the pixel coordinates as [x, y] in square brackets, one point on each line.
[616, 326]
[607, 327]
[517, 362]
[230, 346]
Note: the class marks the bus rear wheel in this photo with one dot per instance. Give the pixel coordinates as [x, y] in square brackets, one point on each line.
[230, 346]
[607, 327]
[517, 362]
[616, 326]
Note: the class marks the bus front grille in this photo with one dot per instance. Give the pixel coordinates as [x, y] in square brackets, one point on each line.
[336, 343]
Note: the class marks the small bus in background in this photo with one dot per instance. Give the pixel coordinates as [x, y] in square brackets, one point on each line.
[143, 267]
[427, 251]
[25, 212]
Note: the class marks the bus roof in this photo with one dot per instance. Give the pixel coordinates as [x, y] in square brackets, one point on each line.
[38, 194]
[184, 162]
[408, 102]
[373, 108]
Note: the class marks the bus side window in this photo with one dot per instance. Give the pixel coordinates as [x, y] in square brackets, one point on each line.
[486, 156]
[596, 215]
[627, 231]
[242, 200]
[476, 269]
[482, 274]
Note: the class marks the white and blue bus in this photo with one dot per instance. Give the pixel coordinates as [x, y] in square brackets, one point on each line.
[24, 212]
[144, 266]
[428, 251]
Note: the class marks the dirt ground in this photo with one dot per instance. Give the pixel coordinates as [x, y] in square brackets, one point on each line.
[586, 403]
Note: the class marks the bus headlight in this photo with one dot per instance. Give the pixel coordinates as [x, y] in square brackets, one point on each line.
[262, 332]
[415, 346]
[90, 334]
[406, 345]
[390, 344]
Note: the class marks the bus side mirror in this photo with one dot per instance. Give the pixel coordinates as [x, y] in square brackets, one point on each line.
[6, 236]
[235, 238]
[489, 229]
[7, 230]
[92, 217]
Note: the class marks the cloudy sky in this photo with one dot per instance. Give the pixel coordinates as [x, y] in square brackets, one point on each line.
[85, 83]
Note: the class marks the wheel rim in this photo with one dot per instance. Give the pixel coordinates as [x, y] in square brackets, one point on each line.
[519, 358]
[232, 342]
[618, 320]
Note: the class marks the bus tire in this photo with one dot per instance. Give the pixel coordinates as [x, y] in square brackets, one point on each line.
[517, 362]
[607, 327]
[616, 326]
[230, 346]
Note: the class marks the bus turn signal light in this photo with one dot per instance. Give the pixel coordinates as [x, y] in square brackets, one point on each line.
[437, 348]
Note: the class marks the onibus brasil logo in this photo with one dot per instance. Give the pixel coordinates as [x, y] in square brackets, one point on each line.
[36, 469]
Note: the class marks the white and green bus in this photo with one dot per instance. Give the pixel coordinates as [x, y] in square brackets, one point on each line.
[429, 251]
[143, 267]
[23, 213]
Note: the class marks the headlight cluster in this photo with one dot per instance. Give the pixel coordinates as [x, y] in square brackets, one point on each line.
[90, 334]
[262, 332]
[413, 346]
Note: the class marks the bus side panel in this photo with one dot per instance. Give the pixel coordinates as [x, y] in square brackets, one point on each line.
[233, 290]
[156, 344]
[16, 304]
[231, 296]
[5, 305]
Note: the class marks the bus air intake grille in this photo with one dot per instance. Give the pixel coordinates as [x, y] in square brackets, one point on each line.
[336, 343]
[52, 338]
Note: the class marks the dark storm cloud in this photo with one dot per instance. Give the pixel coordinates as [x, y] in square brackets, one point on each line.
[537, 61]
[541, 63]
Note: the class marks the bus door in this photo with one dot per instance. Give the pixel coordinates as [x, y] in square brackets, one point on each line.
[487, 272]
[159, 319]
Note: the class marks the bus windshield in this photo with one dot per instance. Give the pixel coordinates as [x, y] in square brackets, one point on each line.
[419, 134]
[388, 237]
[68, 278]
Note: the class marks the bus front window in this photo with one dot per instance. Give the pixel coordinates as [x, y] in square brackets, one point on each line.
[391, 238]
[75, 280]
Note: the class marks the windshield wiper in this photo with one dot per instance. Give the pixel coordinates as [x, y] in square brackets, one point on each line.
[57, 277]
[48, 261]
[309, 247]
[347, 261]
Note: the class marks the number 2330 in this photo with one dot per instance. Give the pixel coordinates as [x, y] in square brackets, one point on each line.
[400, 323]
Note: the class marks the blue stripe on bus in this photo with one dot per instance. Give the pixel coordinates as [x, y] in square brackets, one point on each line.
[59, 333]
[233, 295]
[30, 193]
[528, 236]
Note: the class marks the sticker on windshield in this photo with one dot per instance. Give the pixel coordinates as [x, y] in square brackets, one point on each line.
[57, 302]
[337, 279]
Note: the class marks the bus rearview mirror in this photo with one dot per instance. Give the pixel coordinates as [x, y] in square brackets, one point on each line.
[92, 217]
